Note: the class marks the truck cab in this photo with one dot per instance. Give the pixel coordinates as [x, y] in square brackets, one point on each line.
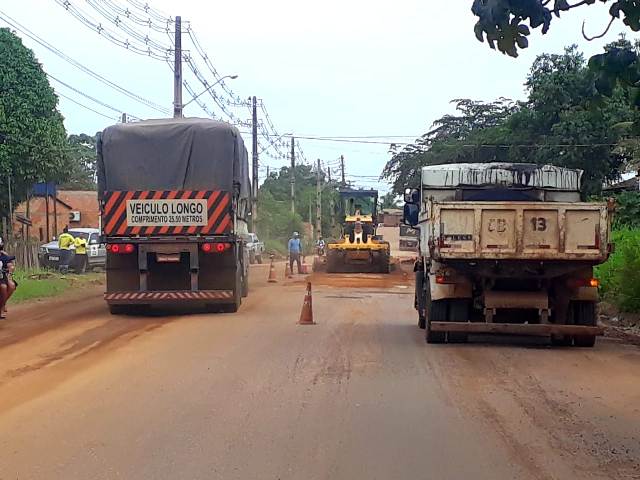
[507, 248]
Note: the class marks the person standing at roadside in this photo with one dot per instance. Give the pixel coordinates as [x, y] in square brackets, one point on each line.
[7, 284]
[80, 255]
[295, 250]
[65, 242]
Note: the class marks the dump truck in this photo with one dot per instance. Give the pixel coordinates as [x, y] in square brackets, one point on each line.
[175, 198]
[507, 248]
[359, 249]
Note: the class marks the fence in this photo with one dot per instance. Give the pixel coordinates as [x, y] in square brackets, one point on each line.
[25, 251]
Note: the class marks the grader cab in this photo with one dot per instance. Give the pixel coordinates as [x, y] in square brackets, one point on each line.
[359, 249]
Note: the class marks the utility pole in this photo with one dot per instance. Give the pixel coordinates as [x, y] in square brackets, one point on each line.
[124, 118]
[318, 202]
[342, 169]
[254, 176]
[331, 212]
[293, 176]
[177, 70]
[267, 171]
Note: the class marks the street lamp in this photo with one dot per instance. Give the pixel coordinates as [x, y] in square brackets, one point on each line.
[232, 77]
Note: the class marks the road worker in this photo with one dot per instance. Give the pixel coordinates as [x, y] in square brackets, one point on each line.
[65, 243]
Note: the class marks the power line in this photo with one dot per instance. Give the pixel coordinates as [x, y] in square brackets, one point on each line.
[39, 40]
[79, 92]
[152, 49]
[85, 106]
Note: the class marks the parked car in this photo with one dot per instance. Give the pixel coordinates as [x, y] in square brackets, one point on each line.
[49, 253]
[254, 246]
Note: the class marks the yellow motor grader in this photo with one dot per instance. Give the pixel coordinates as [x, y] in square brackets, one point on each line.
[359, 250]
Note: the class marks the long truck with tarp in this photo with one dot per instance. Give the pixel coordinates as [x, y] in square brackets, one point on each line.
[507, 248]
[175, 198]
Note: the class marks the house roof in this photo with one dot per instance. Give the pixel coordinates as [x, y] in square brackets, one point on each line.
[631, 184]
[79, 199]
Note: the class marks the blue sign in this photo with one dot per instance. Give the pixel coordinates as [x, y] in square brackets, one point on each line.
[44, 189]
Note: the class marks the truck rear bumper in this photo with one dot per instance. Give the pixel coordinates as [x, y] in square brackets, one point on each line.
[542, 330]
[169, 297]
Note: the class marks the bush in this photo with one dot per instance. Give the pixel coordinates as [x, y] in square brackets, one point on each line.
[627, 213]
[620, 275]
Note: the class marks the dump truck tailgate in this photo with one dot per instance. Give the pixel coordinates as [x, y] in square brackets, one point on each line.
[518, 230]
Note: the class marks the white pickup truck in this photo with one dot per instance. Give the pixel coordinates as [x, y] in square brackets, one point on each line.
[254, 246]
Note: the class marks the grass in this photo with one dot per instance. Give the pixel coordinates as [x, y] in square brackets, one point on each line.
[620, 275]
[37, 284]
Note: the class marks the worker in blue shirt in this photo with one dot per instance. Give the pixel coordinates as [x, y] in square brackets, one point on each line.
[295, 250]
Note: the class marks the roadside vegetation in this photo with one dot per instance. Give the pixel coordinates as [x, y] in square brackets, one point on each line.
[620, 276]
[35, 284]
[276, 221]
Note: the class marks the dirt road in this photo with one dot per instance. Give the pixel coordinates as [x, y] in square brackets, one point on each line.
[254, 396]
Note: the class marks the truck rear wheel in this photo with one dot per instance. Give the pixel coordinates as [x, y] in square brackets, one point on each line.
[118, 309]
[458, 312]
[259, 259]
[237, 294]
[419, 300]
[585, 314]
[252, 257]
[437, 312]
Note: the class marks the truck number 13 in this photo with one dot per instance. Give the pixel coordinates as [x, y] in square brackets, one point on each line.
[539, 224]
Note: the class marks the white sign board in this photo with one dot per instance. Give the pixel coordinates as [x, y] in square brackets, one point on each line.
[170, 213]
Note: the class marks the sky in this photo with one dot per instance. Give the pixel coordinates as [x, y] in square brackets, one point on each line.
[322, 69]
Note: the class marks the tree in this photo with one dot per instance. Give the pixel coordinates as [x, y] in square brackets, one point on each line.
[564, 122]
[82, 155]
[275, 220]
[445, 142]
[503, 23]
[35, 142]
[390, 200]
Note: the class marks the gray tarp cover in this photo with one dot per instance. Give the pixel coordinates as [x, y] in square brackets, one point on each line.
[173, 154]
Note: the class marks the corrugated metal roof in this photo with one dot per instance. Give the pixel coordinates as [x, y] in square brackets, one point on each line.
[455, 175]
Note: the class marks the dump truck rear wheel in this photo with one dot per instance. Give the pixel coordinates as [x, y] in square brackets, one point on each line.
[437, 313]
[458, 312]
[259, 259]
[585, 314]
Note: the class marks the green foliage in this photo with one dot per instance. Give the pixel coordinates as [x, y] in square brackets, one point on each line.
[33, 286]
[627, 213]
[35, 145]
[502, 22]
[445, 142]
[276, 222]
[620, 275]
[82, 157]
[563, 122]
[390, 200]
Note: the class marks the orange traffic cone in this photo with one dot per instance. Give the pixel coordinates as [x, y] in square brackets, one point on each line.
[272, 273]
[287, 270]
[306, 315]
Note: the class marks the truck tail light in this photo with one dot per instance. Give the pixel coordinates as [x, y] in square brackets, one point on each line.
[443, 278]
[586, 282]
[215, 247]
[119, 248]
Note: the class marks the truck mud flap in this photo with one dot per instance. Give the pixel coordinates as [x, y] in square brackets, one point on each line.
[516, 329]
[207, 296]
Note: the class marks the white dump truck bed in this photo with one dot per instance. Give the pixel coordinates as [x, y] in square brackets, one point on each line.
[517, 230]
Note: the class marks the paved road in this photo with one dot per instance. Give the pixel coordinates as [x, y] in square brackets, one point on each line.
[254, 396]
